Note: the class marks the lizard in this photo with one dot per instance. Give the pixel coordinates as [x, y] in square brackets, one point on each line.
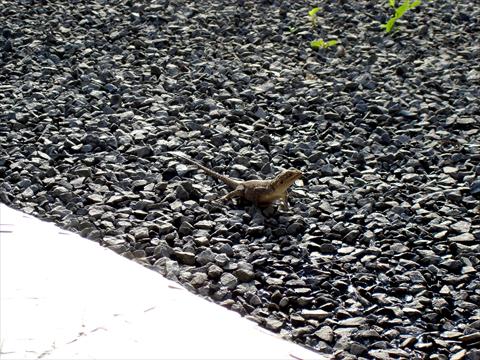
[259, 192]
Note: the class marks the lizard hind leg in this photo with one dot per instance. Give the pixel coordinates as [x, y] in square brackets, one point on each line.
[238, 192]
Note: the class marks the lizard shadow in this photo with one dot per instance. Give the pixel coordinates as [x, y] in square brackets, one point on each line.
[253, 223]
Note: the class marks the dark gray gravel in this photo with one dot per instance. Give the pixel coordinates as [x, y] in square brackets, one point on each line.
[378, 256]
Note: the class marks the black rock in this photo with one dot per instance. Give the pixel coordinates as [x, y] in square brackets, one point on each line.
[214, 271]
[184, 257]
[228, 280]
[205, 257]
[475, 188]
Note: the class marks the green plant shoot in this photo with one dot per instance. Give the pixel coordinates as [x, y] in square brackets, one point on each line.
[312, 14]
[402, 9]
[292, 29]
[316, 44]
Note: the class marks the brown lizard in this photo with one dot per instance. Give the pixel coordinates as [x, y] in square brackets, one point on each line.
[260, 192]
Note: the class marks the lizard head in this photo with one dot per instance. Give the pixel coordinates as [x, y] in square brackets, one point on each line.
[286, 178]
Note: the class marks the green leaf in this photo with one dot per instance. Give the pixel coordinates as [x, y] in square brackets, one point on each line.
[388, 26]
[406, 5]
[312, 12]
[392, 3]
[415, 4]
[402, 8]
[315, 44]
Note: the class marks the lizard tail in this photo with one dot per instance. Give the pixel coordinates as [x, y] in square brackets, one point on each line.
[230, 182]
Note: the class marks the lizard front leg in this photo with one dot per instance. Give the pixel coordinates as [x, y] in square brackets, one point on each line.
[285, 201]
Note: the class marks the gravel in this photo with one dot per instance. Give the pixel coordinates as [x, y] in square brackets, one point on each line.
[378, 256]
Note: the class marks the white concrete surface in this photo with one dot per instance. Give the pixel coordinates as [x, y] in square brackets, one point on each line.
[64, 297]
